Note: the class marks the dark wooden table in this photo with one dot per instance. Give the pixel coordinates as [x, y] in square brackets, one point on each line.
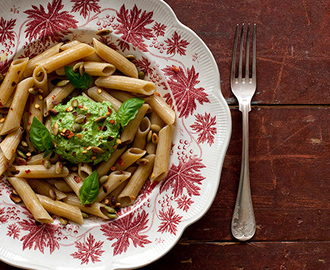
[289, 139]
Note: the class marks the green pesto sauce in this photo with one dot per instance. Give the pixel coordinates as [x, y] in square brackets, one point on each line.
[102, 134]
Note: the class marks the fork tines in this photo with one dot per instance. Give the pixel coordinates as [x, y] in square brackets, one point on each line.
[249, 75]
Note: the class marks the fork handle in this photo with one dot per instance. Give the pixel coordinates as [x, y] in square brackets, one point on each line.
[243, 223]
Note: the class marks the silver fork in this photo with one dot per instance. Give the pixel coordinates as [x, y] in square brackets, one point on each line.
[243, 223]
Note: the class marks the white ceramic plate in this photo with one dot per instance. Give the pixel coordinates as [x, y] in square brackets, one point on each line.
[186, 75]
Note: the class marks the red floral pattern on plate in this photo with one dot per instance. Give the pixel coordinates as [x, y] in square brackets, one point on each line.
[137, 29]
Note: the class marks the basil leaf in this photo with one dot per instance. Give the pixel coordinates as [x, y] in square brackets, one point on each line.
[78, 81]
[128, 110]
[90, 189]
[40, 136]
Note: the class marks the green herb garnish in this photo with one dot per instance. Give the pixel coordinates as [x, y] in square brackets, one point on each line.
[128, 110]
[78, 81]
[90, 189]
[40, 137]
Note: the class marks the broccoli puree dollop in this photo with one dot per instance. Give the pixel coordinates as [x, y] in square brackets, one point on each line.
[87, 130]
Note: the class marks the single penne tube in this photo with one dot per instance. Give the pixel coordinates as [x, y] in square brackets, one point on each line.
[99, 69]
[163, 153]
[93, 57]
[130, 130]
[96, 208]
[45, 55]
[10, 143]
[140, 139]
[62, 185]
[37, 159]
[30, 199]
[3, 162]
[61, 209]
[105, 166]
[128, 84]
[36, 106]
[119, 61]
[44, 188]
[84, 170]
[11, 79]
[159, 106]
[136, 182]
[114, 180]
[16, 110]
[74, 181]
[121, 95]
[128, 158]
[100, 95]
[40, 78]
[156, 120]
[56, 96]
[39, 171]
[66, 57]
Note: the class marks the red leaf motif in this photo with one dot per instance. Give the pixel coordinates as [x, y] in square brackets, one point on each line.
[176, 44]
[84, 7]
[40, 235]
[133, 27]
[52, 25]
[125, 228]
[88, 250]
[3, 217]
[6, 30]
[159, 29]
[204, 127]
[169, 221]
[144, 65]
[184, 203]
[13, 231]
[184, 91]
[185, 175]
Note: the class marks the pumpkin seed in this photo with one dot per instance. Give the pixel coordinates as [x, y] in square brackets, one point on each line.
[155, 127]
[74, 103]
[20, 161]
[103, 32]
[141, 75]
[76, 128]
[15, 198]
[58, 167]
[130, 57]
[47, 163]
[80, 118]
[77, 66]
[33, 91]
[62, 83]
[97, 150]
[154, 138]
[21, 154]
[103, 179]
[55, 129]
[100, 119]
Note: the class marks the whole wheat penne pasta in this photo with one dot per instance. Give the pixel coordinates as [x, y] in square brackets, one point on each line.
[96, 208]
[30, 199]
[140, 139]
[56, 96]
[62, 185]
[119, 61]
[15, 112]
[100, 95]
[45, 55]
[163, 153]
[36, 108]
[74, 181]
[99, 69]
[114, 180]
[130, 130]
[70, 44]
[137, 180]
[164, 111]
[105, 166]
[12, 78]
[40, 78]
[3, 162]
[44, 188]
[61, 209]
[66, 57]
[37, 159]
[121, 95]
[128, 158]
[39, 171]
[84, 170]
[10, 143]
[128, 84]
